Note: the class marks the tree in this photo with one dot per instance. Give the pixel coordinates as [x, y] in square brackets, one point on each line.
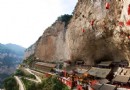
[10, 84]
[65, 18]
[19, 72]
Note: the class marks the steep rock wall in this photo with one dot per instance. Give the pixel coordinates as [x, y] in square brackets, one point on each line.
[93, 34]
[51, 46]
[102, 40]
[29, 51]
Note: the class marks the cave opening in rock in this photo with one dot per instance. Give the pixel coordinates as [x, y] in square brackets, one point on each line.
[108, 57]
[79, 62]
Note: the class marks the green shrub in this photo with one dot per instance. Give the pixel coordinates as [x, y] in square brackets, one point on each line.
[31, 76]
[65, 18]
[10, 84]
[29, 60]
[29, 84]
[52, 83]
[19, 72]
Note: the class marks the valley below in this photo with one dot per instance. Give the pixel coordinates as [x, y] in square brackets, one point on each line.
[10, 57]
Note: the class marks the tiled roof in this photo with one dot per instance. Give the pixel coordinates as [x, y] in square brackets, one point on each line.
[46, 64]
[120, 78]
[107, 87]
[105, 63]
[82, 70]
[103, 81]
[96, 86]
[122, 89]
[99, 72]
[103, 87]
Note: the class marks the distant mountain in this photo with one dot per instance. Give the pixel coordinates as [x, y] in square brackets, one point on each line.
[11, 55]
[18, 50]
[4, 49]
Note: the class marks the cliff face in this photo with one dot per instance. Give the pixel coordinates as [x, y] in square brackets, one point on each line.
[98, 23]
[95, 32]
[102, 37]
[51, 45]
[30, 51]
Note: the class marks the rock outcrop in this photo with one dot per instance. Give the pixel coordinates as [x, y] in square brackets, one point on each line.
[96, 32]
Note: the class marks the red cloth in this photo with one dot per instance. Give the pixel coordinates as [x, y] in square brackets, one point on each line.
[121, 23]
[47, 75]
[83, 30]
[79, 87]
[93, 82]
[128, 22]
[70, 84]
[67, 83]
[129, 9]
[107, 5]
[129, 37]
[64, 73]
[92, 22]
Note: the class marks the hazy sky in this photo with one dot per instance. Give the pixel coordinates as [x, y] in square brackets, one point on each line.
[23, 21]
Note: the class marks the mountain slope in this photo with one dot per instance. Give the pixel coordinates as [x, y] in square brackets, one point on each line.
[4, 49]
[19, 50]
[10, 56]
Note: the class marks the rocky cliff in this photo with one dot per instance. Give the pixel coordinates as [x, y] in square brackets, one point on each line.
[98, 30]
[29, 51]
[52, 46]
[103, 38]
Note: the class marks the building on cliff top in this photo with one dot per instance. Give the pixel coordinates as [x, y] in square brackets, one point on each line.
[45, 67]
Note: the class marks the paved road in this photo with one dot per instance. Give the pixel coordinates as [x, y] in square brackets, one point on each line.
[21, 86]
[30, 71]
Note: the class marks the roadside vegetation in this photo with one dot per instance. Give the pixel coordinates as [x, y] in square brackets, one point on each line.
[22, 74]
[11, 84]
[29, 85]
[50, 83]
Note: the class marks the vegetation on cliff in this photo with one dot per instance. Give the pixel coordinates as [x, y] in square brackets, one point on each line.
[29, 60]
[65, 18]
